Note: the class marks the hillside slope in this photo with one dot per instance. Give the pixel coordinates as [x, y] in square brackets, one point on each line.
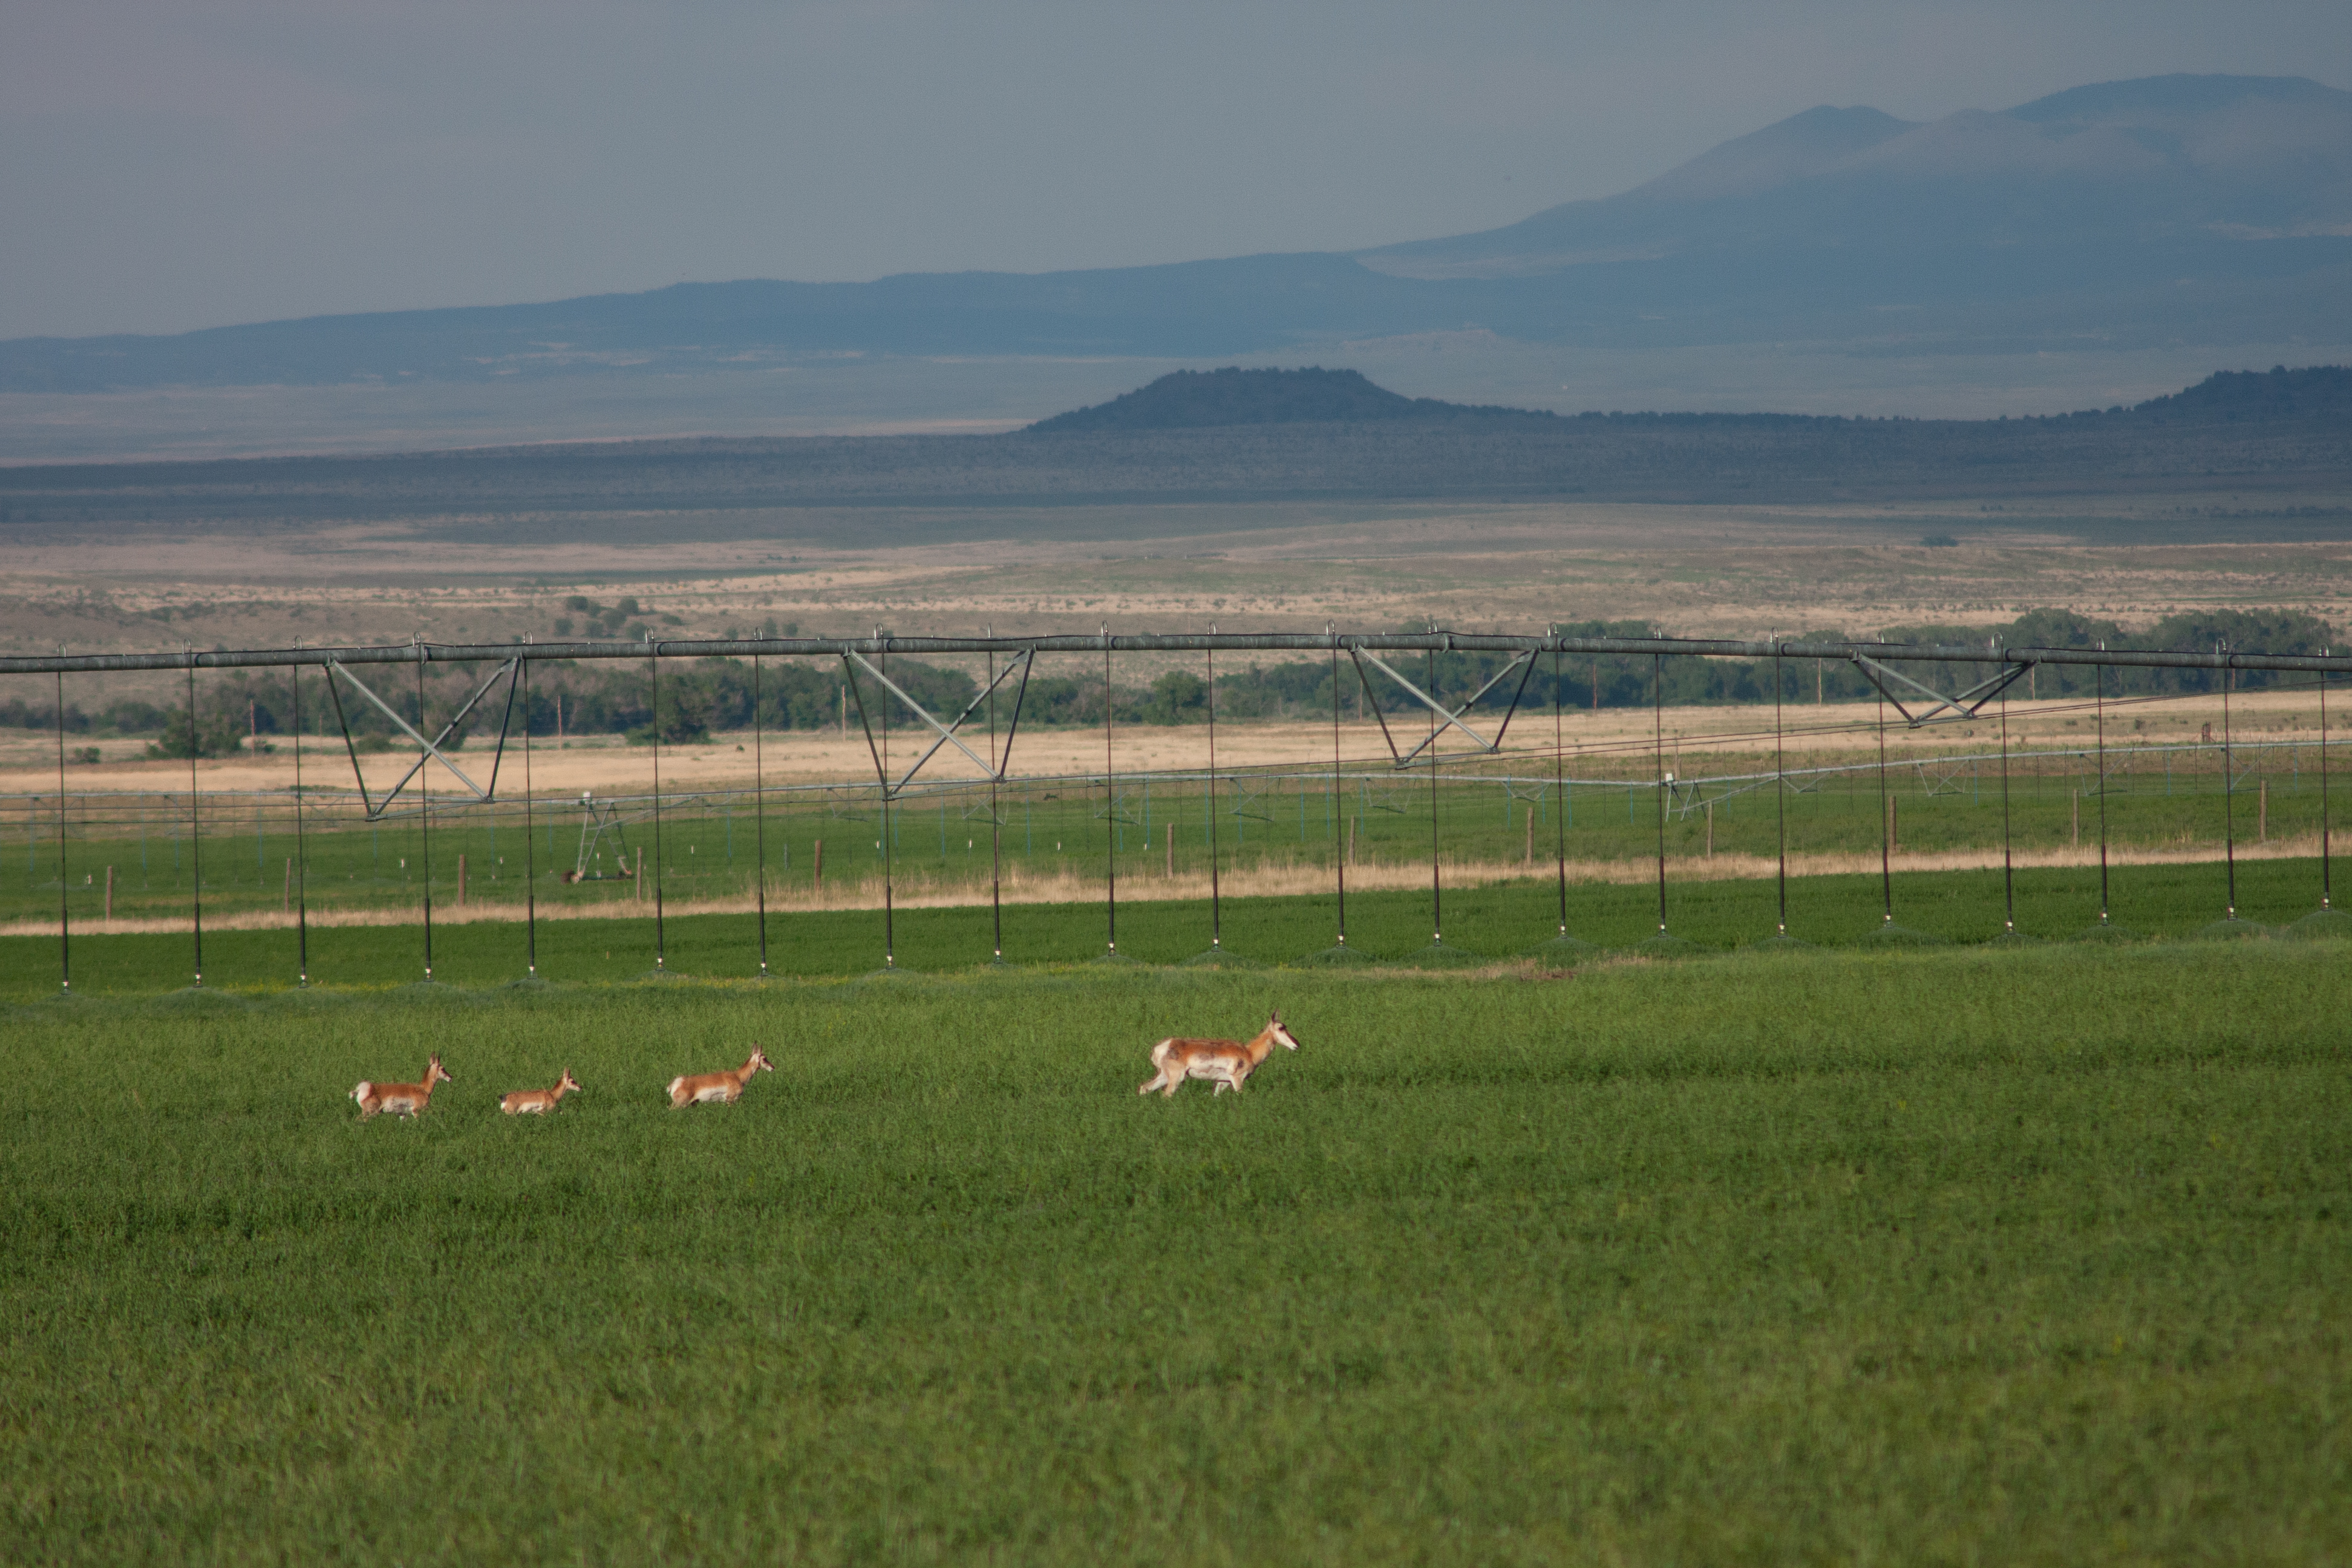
[2211, 210]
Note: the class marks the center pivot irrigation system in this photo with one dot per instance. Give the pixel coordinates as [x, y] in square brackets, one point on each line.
[1009, 663]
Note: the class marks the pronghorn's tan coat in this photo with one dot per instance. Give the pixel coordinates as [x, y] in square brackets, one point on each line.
[401, 1099]
[718, 1088]
[539, 1101]
[1226, 1063]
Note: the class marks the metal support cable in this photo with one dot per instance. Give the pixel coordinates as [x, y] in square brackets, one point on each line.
[2008, 868]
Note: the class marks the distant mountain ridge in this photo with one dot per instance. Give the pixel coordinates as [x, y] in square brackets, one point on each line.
[2271, 439]
[1196, 399]
[2170, 210]
[1232, 397]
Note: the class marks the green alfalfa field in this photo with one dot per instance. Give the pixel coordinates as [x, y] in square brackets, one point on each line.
[1945, 1255]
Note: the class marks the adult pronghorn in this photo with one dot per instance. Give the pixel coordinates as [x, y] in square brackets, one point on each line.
[401, 1099]
[720, 1087]
[1226, 1063]
[539, 1101]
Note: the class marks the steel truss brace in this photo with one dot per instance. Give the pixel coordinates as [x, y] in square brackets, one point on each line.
[1525, 663]
[1966, 705]
[946, 732]
[431, 749]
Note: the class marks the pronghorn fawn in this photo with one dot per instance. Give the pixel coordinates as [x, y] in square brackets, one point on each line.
[401, 1099]
[718, 1087]
[539, 1101]
[1226, 1063]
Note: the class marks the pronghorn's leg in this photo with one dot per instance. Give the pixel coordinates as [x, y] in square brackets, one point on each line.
[1157, 1080]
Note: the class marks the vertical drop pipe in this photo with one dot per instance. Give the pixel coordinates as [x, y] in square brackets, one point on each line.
[758, 819]
[1111, 813]
[301, 851]
[1559, 793]
[2229, 788]
[1780, 786]
[1436, 890]
[2099, 704]
[1886, 854]
[996, 820]
[1216, 916]
[2324, 890]
[2008, 867]
[195, 825]
[530, 846]
[1339, 850]
[1658, 745]
[65, 919]
[425, 814]
[652, 663]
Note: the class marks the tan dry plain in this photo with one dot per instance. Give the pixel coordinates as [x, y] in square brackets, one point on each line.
[1615, 743]
[1693, 571]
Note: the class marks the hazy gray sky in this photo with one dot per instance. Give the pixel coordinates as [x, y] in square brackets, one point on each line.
[168, 165]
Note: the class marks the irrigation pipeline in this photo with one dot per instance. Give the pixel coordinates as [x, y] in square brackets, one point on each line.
[1264, 642]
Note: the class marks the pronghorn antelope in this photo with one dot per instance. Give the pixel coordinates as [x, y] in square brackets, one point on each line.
[539, 1101]
[401, 1099]
[1226, 1063]
[721, 1087]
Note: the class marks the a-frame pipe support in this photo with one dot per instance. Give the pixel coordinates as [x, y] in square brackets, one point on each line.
[429, 749]
[946, 732]
[1965, 706]
[1525, 663]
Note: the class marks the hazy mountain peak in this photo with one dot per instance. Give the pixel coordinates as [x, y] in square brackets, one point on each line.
[1973, 144]
[2174, 97]
[1793, 149]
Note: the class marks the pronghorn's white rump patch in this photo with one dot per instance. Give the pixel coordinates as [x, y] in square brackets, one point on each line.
[672, 1091]
[362, 1090]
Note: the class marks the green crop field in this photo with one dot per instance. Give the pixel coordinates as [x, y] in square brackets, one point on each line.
[1497, 922]
[1956, 1255]
[140, 855]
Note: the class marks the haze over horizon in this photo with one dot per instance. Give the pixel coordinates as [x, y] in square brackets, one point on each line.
[171, 170]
